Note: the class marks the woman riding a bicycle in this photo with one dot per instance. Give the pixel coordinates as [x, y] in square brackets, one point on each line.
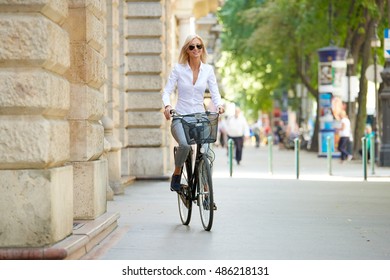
[192, 75]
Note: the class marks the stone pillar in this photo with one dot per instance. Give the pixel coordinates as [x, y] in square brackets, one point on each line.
[384, 97]
[36, 201]
[87, 73]
[111, 120]
[186, 27]
[113, 157]
[143, 152]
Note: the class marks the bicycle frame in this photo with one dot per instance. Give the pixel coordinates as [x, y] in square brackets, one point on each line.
[193, 181]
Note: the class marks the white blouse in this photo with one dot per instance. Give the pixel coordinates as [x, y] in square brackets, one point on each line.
[190, 96]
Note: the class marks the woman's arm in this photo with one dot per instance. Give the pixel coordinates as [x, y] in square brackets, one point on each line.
[214, 90]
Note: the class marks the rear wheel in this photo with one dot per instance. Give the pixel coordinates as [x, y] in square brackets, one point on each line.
[205, 195]
[184, 197]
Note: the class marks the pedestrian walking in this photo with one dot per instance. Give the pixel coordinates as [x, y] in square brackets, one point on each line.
[256, 132]
[368, 133]
[237, 130]
[345, 134]
[191, 75]
[222, 137]
[280, 133]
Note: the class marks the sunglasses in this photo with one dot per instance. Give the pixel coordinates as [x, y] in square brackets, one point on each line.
[192, 47]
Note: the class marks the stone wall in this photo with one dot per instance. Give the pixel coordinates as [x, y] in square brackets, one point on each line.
[87, 75]
[80, 107]
[36, 202]
[143, 138]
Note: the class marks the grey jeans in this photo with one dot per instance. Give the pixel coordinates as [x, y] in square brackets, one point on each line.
[183, 149]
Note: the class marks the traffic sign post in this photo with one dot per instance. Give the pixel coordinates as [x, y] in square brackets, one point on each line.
[386, 43]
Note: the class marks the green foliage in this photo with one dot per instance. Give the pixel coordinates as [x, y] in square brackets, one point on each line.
[271, 45]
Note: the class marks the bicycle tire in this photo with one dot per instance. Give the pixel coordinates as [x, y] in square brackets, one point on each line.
[184, 198]
[205, 194]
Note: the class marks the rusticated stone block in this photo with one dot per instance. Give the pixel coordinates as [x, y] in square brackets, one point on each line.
[90, 184]
[144, 64]
[55, 10]
[95, 31]
[125, 163]
[33, 142]
[114, 171]
[144, 45]
[84, 27]
[87, 140]
[145, 119]
[98, 7]
[86, 103]
[141, 163]
[33, 92]
[144, 100]
[143, 137]
[87, 66]
[33, 40]
[144, 9]
[144, 82]
[36, 206]
[144, 27]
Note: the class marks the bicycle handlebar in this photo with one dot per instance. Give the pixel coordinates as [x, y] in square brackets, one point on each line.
[173, 113]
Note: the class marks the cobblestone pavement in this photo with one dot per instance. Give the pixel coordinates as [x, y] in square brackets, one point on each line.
[260, 215]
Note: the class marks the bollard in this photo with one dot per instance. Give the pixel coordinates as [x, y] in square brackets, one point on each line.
[372, 153]
[364, 155]
[230, 153]
[296, 145]
[270, 155]
[329, 154]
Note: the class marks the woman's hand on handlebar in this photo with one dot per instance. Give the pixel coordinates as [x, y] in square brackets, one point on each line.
[167, 112]
[221, 110]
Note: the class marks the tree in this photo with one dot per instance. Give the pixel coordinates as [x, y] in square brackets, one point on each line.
[274, 44]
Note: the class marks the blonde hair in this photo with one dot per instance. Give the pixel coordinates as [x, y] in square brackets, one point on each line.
[183, 57]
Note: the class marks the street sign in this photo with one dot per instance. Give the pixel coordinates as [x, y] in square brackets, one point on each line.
[386, 43]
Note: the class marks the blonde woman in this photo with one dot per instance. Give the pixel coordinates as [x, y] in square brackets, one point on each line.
[191, 75]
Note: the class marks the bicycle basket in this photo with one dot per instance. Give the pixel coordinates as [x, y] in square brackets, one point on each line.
[200, 128]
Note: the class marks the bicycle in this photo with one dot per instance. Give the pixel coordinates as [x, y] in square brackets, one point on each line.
[196, 181]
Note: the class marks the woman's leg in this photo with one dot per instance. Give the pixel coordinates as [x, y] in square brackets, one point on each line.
[183, 148]
[181, 153]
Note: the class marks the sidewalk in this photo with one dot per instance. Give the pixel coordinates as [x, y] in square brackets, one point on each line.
[256, 162]
[260, 215]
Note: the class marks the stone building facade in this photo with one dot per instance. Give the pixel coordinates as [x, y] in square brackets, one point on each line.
[80, 111]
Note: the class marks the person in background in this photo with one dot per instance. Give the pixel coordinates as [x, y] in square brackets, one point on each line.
[368, 133]
[280, 132]
[345, 134]
[222, 131]
[256, 132]
[238, 130]
[191, 75]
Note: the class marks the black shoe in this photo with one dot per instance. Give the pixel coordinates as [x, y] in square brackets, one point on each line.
[175, 183]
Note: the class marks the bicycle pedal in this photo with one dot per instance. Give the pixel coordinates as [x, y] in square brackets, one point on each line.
[185, 200]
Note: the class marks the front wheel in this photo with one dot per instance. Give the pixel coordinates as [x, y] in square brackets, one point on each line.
[205, 194]
[184, 197]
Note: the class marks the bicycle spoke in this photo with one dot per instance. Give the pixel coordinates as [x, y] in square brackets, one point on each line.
[184, 198]
[205, 195]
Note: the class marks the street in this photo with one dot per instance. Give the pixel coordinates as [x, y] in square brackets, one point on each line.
[260, 216]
